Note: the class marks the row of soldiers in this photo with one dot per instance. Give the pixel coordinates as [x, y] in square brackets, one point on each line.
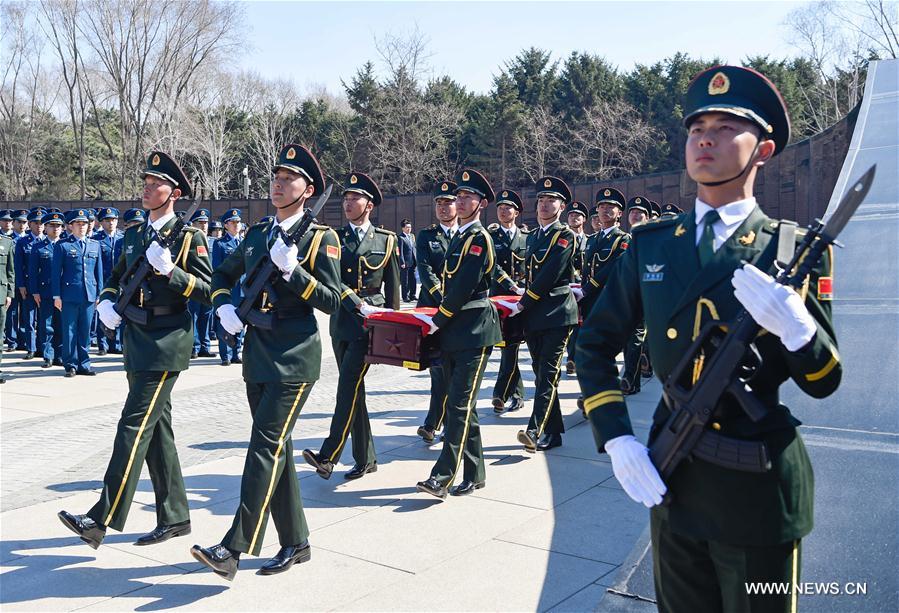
[722, 526]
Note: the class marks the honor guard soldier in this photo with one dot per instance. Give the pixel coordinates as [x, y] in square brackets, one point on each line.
[604, 247]
[725, 527]
[655, 211]
[430, 247]
[7, 285]
[27, 306]
[133, 217]
[671, 210]
[221, 251]
[469, 325]
[639, 210]
[510, 243]
[5, 223]
[369, 266]
[282, 365]
[155, 354]
[40, 279]
[577, 217]
[75, 282]
[549, 307]
[201, 313]
[108, 236]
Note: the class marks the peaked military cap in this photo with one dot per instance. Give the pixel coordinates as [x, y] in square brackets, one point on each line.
[553, 186]
[610, 195]
[134, 215]
[445, 189]
[742, 92]
[215, 224]
[471, 180]
[231, 215]
[297, 158]
[161, 165]
[200, 215]
[108, 213]
[510, 197]
[363, 184]
[267, 219]
[5, 215]
[54, 209]
[640, 203]
[37, 209]
[20, 215]
[654, 209]
[36, 215]
[671, 209]
[579, 207]
[56, 218]
[77, 215]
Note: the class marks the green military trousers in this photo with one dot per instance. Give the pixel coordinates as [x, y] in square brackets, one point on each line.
[508, 380]
[269, 482]
[144, 432]
[350, 411]
[464, 372]
[437, 407]
[695, 575]
[633, 351]
[547, 349]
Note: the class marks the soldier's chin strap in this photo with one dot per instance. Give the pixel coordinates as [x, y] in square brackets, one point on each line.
[297, 199]
[167, 200]
[746, 168]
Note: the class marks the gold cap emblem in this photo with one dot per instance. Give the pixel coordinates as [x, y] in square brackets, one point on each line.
[608, 192]
[155, 161]
[291, 153]
[354, 179]
[719, 84]
[465, 176]
[80, 212]
[637, 200]
[547, 183]
[505, 194]
[444, 187]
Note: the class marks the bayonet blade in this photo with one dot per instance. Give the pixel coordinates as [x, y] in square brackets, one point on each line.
[322, 200]
[849, 204]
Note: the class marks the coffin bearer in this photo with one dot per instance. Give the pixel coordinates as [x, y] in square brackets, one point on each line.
[370, 276]
[469, 325]
[155, 354]
[282, 364]
[430, 249]
[40, 278]
[510, 243]
[724, 528]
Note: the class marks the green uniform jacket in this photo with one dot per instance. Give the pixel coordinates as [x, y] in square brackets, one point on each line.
[579, 260]
[364, 267]
[166, 342]
[7, 270]
[291, 351]
[430, 251]
[466, 317]
[548, 301]
[510, 256]
[602, 253]
[659, 279]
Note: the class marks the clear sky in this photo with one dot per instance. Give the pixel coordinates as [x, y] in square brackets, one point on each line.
[318, 43]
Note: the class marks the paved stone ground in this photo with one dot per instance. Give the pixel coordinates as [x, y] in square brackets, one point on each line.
[549, 532]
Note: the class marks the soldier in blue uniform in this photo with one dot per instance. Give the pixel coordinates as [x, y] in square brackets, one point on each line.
[216, 230]
[27, 306]
[7, 284]
[40, 286]
[76, 281]
[108, 236]
[201, 313]
[13, 335]
[6, 223]
[221, 249]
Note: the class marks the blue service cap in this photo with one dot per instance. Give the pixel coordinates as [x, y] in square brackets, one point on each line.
[5, 215]
[36, 215]
[134, 215]
[20, 215]
[77, 215]
[231, 215]
[215, 224]
[200, 215]
[108, 213]
[53, 217]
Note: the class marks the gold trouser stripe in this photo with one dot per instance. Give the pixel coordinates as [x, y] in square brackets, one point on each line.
[271, 482]
[794, 596]
[349, 419]
[602, 398]
[820, 374]
[218, 292]
[533, 295]
[511, 375]
[191, 281]
[471, 403]
[552, 396]
[442, 414]
[140, 432]
[309, 289]
[445, 311]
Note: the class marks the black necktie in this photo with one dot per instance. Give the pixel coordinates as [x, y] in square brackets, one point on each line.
[706, 247]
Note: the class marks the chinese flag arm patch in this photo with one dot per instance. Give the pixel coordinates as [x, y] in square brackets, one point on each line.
[563, 242]
[333, 252]
[202, 250]
[476, 250]
[825, 288]
[624, 246]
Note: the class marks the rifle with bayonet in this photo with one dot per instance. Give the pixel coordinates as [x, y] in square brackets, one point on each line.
[137, 275]
[261, 278]
[723, 360]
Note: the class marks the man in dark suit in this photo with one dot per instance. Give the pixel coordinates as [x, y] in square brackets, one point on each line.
[407, 261]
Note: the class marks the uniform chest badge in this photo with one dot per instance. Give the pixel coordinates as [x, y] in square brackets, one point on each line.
[130, 249]
[653, 272]
[747, 239]
[680, 230]
[434, 244]
[249, 251]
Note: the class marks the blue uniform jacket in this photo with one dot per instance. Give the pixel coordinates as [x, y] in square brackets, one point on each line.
[109, 248]
[40, 268]
[77, 271]
[221, 249]
[23, 253]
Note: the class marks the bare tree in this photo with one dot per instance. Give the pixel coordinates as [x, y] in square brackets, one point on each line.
[271, 124]
[538, 139]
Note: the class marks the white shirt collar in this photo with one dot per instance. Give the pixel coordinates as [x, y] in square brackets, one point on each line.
[364, 227]
[159, 224]
[288, 223]
[544, 228]
[605, 231]
[465, 227]
[451, 228]
[731, 214]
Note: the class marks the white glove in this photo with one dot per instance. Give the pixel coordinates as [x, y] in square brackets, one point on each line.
[635, 471]
[284, 257]
[428, 320]
[775, 307]
[518, 290]
[160, 259]
[367, 309]
[107, 314]
[229, 319]
[512, 306]
[578, 293]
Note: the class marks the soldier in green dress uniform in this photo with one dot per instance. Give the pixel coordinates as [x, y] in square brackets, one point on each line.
[7, 285]
[370, 281]
[639, 210]
[280, 365]
[723, 527]
[155, 354]
[430, 247]
[550, 310]
[577, 219]
[511, 246]
[469, 328]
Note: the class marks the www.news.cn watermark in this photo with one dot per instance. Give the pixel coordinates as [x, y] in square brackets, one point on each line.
[808, 588]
